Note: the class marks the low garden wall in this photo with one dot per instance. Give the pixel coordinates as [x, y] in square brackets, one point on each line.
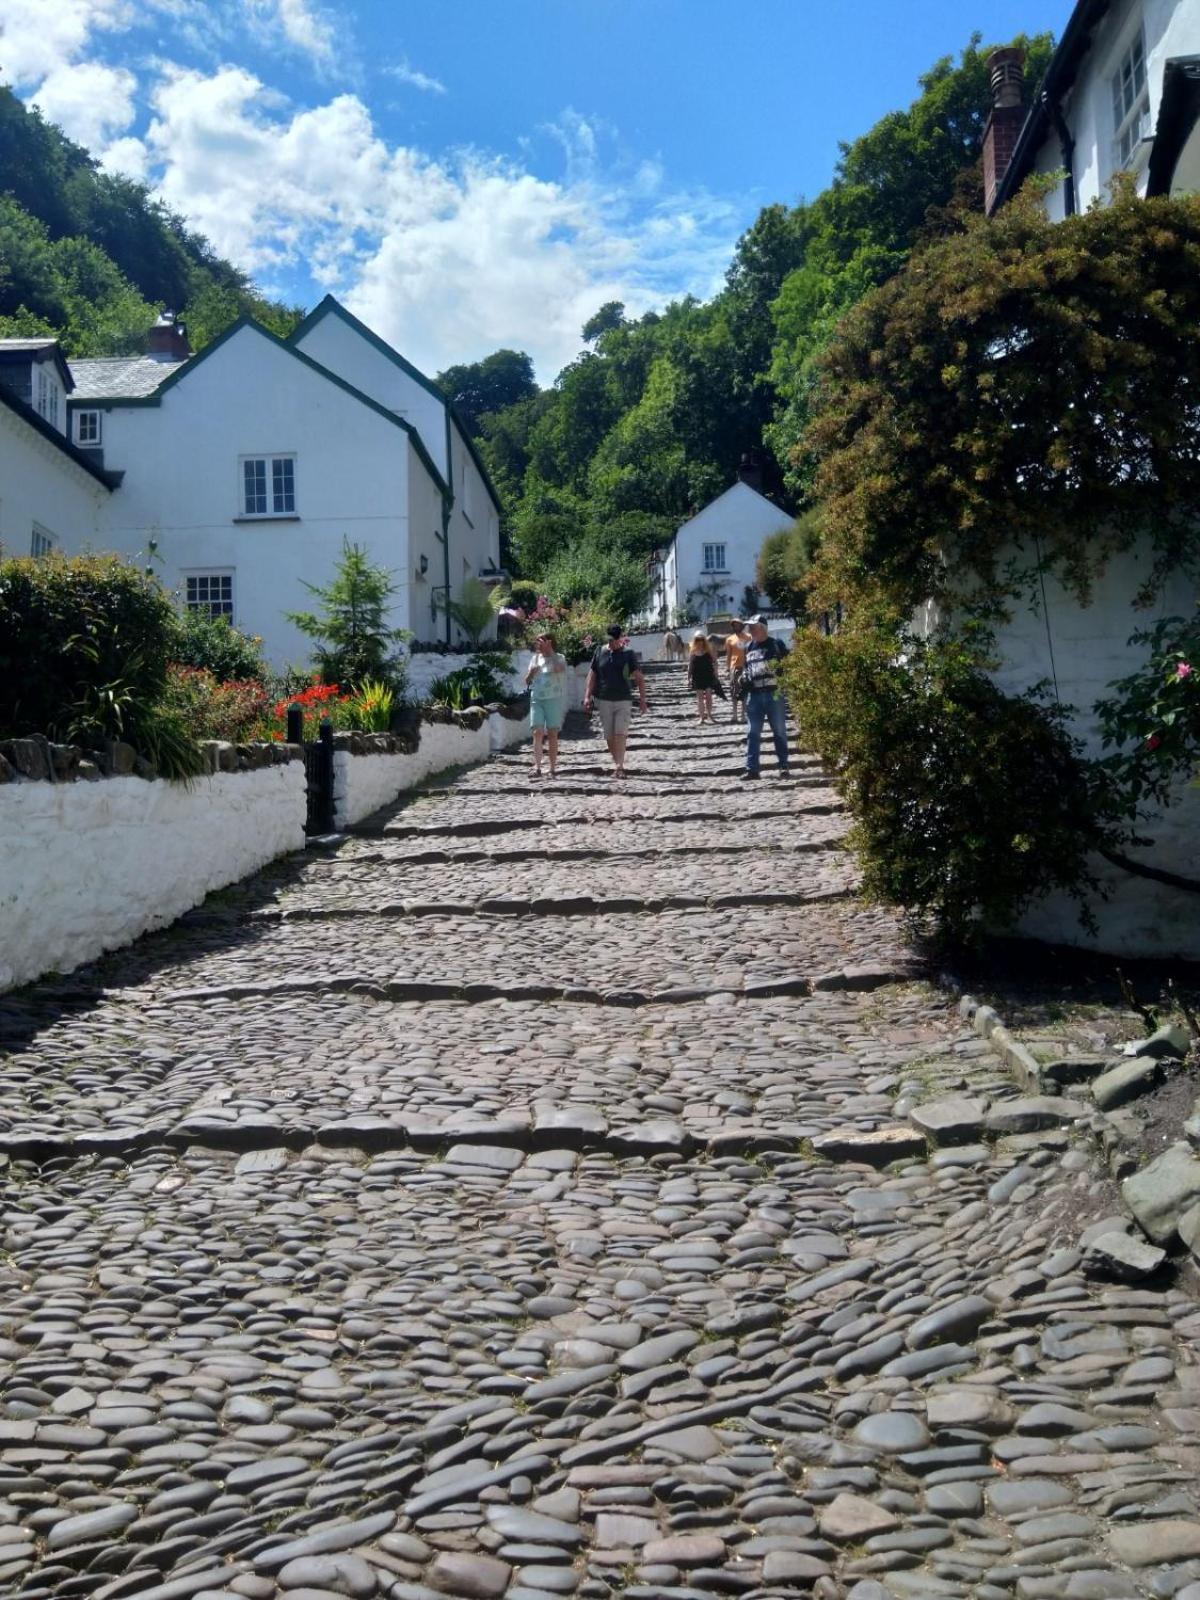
[90, 865]
[372, 770]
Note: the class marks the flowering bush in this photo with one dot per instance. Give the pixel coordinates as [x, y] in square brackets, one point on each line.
[577, 629]
[212, 709]
[1152, 721]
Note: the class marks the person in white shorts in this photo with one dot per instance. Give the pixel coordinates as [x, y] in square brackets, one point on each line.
[610, 684]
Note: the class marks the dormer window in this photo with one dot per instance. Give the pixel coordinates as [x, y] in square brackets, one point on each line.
[1131, 102]
[87, 429]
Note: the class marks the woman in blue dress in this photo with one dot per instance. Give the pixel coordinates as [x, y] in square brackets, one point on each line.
[546, 681]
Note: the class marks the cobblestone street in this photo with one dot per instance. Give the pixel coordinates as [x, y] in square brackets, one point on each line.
[531, 1196]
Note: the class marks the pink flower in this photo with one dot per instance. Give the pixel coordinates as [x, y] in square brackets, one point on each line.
[1183, 670]
[1153, 742]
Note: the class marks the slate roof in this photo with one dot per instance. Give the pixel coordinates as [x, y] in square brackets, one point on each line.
[120, 377]
[81, 458]
[29, 345]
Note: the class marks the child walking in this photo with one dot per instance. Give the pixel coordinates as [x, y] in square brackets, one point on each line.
[702, 675]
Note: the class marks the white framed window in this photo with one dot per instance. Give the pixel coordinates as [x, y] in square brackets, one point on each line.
[87, 428]
[46, 403]
[268, 486]
[210, 593]
[41, 541]
[714, 558]
[1131, 102]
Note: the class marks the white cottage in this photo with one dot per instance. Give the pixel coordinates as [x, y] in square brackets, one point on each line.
[246, 466]
[1121, 93]
[709, 568]
[52, 494]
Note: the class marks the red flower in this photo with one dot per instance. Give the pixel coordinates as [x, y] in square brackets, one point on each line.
[1153, 742]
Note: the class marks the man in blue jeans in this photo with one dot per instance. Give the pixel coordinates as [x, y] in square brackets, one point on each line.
[764, 702]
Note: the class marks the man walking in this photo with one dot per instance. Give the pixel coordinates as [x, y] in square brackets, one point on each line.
[610, 682]
[764, 702]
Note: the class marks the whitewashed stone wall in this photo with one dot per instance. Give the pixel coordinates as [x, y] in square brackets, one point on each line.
[364, 783]
[87, 867]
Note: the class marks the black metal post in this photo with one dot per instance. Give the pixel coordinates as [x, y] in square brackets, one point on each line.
[325, 774]
[295, 724]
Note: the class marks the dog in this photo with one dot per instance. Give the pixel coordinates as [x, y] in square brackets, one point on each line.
[673, 647]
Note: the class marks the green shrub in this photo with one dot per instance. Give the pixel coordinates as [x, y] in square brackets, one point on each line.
[213, 644]
[968, 804]
[476, 684]
[212, 709]
[354, 640]
[523, 594]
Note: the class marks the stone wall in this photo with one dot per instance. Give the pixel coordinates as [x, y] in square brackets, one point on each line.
[88, 866]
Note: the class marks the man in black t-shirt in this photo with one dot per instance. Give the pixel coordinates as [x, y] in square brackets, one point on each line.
[610, 682]
[764, 702]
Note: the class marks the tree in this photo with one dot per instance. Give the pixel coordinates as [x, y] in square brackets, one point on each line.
[610, 315]
[354, 639]
[1021, 386]
[782, 569]
[476, 389]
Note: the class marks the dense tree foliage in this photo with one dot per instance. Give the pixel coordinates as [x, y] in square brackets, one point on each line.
[504, 378]
[656, 412]
[92, 257]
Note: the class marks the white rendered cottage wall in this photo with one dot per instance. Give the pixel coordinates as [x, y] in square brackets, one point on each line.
[362, 784]
[41, 485]
[1086, 648]
[182, 488]
[474, 522]
[90, 866]
[1171, 28]
[336, 344]
[740, 519]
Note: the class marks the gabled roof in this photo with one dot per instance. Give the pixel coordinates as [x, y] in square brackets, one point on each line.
[1060, 75]
[181, 370]
[716, 500]
[38, 423]
[16, 352]
[119, 377]
[330, 306]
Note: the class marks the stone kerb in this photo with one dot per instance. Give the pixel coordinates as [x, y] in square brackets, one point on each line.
[89, 866]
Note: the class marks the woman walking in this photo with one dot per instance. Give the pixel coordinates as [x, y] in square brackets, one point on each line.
[546, 681]
[702, 675]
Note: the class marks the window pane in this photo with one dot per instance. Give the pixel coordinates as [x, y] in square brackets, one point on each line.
[256, 487]
[283, 484]
[211, 593]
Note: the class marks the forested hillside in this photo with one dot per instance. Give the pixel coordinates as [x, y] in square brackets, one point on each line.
[93, 257]
[651, 420]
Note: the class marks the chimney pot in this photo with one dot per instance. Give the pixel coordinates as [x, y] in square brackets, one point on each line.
[1006, 74]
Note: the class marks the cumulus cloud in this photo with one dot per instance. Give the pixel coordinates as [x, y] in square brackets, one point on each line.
[404, 72]
[37, 38]
[448, 259]
[92, 103]
[299, 23]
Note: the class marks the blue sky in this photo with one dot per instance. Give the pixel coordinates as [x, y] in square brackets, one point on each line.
[467, 174]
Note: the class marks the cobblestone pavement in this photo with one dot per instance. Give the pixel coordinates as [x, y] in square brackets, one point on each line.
[566, 1190]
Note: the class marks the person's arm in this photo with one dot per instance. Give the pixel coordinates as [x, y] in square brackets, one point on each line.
[531, 672]
[589, 689]
[640, 680]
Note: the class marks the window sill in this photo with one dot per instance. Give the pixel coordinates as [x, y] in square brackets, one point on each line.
[269, 516]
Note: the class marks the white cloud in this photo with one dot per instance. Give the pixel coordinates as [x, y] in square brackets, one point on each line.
[39, 36]
[92, 103]
[304, 26]
[403, 72]
[447, 259]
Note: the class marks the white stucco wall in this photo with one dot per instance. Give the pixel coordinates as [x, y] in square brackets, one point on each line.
[338, 345]
[740, 519]
[361, 784]
[1087, 648]
[90, 866]
[39, 483]
[1171, 28]
[182, 488]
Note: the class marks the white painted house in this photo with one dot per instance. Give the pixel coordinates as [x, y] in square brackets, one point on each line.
[710, 563]
[248, 465]
[1121, 93]
[52, 495]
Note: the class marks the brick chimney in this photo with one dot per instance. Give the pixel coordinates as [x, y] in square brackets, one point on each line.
[1006, 70]
[750, 471]
[168, 339]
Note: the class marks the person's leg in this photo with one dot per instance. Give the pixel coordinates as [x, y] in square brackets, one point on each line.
[552, 739]
[604, 710]
[623, 713]
[537, 750]
[777, 711]
[700, 705]
[708, 705]
[755, 712]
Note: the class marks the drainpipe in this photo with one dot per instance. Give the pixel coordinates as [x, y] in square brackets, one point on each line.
[447, 504]
[1053, 109]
